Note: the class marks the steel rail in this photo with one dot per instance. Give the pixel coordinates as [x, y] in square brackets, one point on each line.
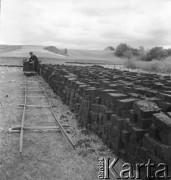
[23, 120]
[57, 117]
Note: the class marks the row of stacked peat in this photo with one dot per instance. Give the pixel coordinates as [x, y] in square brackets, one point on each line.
[131, 113]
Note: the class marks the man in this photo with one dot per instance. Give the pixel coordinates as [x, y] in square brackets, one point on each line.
[34, 62]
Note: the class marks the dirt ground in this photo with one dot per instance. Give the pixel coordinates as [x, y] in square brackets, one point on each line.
[46, 155]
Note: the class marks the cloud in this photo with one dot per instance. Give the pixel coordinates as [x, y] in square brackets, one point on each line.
[86, 24]
[104, 8]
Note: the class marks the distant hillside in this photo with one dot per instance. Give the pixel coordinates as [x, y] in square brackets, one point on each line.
[7, 48]
[109, 48]
[56, 50]
[23, 51]
[94, 56]
[47, 53]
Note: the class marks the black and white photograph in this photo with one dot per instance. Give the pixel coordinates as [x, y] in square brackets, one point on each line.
[85, 89]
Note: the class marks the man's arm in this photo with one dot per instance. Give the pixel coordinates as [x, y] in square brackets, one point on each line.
[30, 59]
[35, 58]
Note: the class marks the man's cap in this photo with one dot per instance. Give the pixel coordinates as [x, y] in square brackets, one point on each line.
[31, 53]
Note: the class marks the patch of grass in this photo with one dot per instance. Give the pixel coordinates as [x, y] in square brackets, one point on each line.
[155, 66]
[131, 64]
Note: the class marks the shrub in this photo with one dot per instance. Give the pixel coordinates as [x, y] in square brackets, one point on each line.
[155, 53]
[121, 48]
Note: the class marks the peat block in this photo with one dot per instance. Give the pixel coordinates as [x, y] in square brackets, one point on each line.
[162, 121]
[125, 136]
[165, 106]
[158, 85]
[149, 144]
[165, 137]
[134, 95]
[116, 96]
[143, 154]
[96, 108]
[164, 96]
[144, 123]
[94, 117]
[126, 104]
[154, 132]
[145, 109]
[151, 93]
[113, 86]
[117, 121]
[138, 82]
[115, 132]
[104, 91]
[167, 88]
[123, 113]
[138, 132]
[141, 91]
[132, 116]
[157, 148]
[153, 99]
[120, 107]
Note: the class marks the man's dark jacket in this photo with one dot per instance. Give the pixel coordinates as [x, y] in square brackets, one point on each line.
[36, 62]
[33, 58]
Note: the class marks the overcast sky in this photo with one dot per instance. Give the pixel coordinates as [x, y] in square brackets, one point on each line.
[86, 24]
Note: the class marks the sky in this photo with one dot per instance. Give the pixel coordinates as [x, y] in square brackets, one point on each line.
[86, 24]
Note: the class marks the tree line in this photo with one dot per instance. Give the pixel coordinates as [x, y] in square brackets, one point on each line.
[159, 53]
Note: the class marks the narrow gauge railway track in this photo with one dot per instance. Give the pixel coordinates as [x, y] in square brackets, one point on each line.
[38, 87]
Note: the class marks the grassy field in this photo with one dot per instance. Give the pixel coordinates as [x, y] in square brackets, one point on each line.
[15, 55]
[155, 66]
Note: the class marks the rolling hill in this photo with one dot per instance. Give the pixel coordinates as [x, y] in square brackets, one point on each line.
[19, 52]
[23, 51]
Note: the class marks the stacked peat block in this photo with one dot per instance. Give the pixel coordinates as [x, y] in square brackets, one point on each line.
[124, 109]
[160, 135]
[144, 111]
